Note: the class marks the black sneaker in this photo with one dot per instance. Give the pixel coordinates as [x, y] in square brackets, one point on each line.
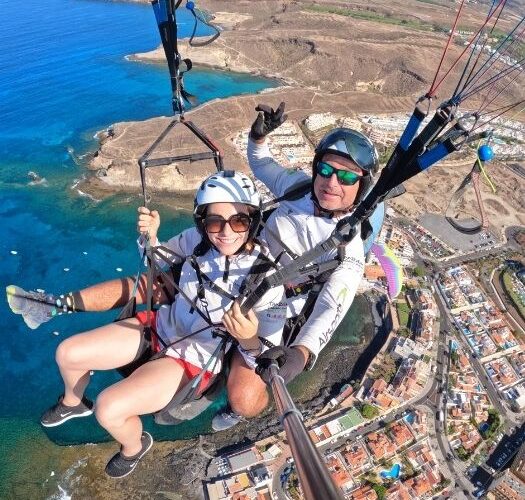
[120, 466]
[60, 413]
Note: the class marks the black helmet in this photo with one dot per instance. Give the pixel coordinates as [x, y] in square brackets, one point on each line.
[354, 146]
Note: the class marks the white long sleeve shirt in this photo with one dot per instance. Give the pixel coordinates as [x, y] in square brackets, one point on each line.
[178, 320]
[295, 224]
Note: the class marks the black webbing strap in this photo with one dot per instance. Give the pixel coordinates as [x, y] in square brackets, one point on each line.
[295, 324]
[193, 302]
[259, 269]
[203, 277]
[292, 194]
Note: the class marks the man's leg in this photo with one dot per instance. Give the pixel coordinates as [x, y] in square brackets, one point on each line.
[247, 392]
[39, 307]
[247, 395]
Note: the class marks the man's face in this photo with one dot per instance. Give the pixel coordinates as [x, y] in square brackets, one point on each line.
[332, 195]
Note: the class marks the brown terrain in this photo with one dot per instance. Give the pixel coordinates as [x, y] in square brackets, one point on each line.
[327, 62]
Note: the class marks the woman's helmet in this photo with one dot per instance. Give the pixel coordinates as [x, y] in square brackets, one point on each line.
[227, 186]
[354, 146]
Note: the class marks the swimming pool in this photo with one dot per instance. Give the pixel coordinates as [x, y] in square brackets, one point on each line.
[409, 419]
[393, 473]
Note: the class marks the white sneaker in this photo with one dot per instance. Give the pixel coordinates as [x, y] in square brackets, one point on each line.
[225, 420]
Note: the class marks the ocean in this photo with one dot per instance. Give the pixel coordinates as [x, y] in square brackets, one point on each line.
[63, 76]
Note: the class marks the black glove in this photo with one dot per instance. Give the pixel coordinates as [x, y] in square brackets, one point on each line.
[267, 120]
[290, 360]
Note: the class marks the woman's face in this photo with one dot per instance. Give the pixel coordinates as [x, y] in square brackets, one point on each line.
[227, 240]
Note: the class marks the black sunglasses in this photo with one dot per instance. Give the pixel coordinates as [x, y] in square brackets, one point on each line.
[345, 177]
[240, 223]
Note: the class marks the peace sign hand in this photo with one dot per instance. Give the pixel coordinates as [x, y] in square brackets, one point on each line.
[267, 121]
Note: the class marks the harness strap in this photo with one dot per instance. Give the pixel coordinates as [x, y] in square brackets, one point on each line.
[292, 194]
[295, 324]
[189, 391]
[203, 277]
[259, 268]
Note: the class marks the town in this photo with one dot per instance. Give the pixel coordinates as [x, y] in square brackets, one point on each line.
[439, 412]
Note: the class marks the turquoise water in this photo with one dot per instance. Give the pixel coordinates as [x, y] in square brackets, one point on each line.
[393, 473]
[63, 76]
[410, 418]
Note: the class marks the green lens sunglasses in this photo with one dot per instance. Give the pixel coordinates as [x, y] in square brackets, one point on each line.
[345, 177]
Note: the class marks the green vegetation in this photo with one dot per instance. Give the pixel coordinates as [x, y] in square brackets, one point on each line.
[513, 296]
[386, 369]
[442, 484]
[518, 47]
[452, 381]
[404, 332]
[454, 357]
[494, 422]
[433, 2]
[385, 155]
[408, 470]
[403, 312]
[463, 454]
[426, 358]
[380, 491]
[384, 18]
[420, 271]
[293, 487]
[369, 411]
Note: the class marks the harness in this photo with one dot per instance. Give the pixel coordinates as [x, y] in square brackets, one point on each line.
[182, 406]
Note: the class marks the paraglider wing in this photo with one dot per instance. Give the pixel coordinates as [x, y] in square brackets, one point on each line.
[392, 267]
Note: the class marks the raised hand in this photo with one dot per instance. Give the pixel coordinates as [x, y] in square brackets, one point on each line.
[267, 121]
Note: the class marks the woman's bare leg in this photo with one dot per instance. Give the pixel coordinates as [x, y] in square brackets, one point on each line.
[147, 390]
[103, 348]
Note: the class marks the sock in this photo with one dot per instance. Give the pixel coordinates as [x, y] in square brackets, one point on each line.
[69, 303]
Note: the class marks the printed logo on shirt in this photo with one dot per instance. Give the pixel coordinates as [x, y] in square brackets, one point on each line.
[351, 261]
[341, 296]
[276, 316]
[327, 335]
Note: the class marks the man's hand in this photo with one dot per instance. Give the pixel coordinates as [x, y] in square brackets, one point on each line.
[148, 222]
[243, 328]
[267, 121]
[291, 361]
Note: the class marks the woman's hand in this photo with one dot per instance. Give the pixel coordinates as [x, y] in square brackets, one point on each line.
[148, 222]
[243, 328]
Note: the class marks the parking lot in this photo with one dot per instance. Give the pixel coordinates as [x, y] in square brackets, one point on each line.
[439, 226]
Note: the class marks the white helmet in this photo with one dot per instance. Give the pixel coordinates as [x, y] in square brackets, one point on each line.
[227, 186]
